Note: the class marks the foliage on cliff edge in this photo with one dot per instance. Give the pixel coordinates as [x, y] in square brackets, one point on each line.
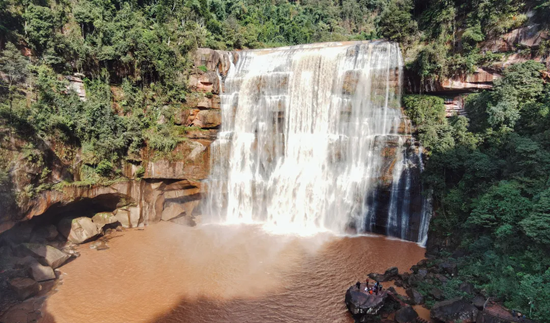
[491, 187]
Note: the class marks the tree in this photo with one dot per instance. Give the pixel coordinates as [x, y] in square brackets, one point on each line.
[537, 224]
[396, 22]
[14, 66]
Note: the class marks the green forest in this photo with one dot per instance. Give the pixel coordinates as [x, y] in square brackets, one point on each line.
[489, 172]
[491, 186]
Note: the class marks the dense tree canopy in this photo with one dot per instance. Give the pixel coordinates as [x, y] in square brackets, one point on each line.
[491, 185]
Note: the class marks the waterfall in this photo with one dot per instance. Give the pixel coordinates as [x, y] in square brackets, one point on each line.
[313, 139]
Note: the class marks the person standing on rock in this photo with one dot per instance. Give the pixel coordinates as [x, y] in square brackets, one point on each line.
[358, 284]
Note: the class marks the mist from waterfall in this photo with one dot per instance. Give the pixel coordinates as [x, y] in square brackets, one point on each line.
[312, 136]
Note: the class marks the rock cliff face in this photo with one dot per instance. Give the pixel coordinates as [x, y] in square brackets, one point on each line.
[169, 186]
[172, 186]
[518, 45]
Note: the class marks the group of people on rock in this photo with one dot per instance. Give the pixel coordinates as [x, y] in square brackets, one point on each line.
[518, 315]
[375, 289]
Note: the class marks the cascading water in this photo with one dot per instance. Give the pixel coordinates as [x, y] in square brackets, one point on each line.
[313, 139]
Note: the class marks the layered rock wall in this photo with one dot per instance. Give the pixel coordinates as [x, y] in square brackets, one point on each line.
[169, 185]
[516, 46]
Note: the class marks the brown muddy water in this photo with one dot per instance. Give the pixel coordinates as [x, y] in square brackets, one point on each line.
[214, 273]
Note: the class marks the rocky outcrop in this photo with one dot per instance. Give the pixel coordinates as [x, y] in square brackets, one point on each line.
[24, 287]
[415, 296]
[146, 200]
[76, 85]
[40, 272]
[78, 230]
[47, 255]
[454, 310]
[195, 166]
[389, 274]
[362, 305]
[527, 37]
[517, 46]
[406, 315]
[214, 60]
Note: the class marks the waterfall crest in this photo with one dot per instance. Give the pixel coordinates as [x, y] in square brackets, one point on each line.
[313, 139]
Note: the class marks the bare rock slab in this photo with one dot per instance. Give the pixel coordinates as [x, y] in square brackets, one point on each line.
[41, 273]
[48, 255]
[24, 287]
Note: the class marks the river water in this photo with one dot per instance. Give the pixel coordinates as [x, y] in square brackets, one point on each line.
[220, 273]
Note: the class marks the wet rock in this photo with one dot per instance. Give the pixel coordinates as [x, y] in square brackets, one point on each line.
[363, 306]
[78, 230]
[47, 255]
[99, 245]
[41, 273]
[415, 296]
[406, 315]
[389, 274]
[437, 294]
[24, 287]
[104, 218]
[454, 310]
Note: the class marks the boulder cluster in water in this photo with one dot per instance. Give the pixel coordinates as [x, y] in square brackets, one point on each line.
[390, 306]
[30, 255]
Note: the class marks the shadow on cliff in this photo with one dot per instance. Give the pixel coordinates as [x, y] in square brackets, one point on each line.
[27, 170]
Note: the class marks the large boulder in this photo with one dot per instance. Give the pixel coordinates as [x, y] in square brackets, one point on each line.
[24, 287]
[78, 230]
[39, 272]
[128, 218]
[406, 315]
[362, 305]
[390, 274]
[454, 310]
[479, 302]
[47, 255]
[104, 218]
[415, 296]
